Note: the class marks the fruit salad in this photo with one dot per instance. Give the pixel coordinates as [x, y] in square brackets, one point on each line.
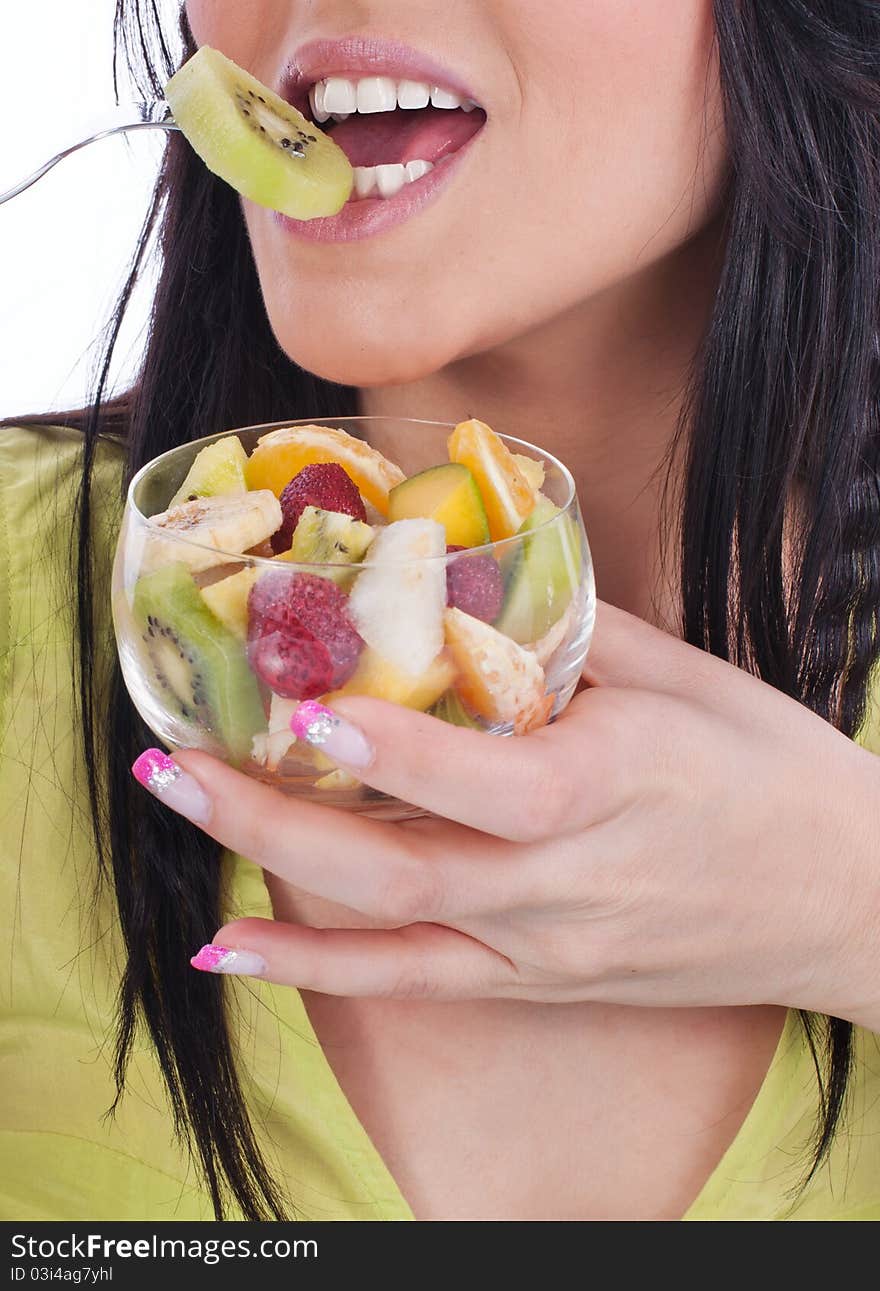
[312, 567]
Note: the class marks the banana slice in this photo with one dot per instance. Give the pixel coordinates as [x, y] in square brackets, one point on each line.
[201, 533]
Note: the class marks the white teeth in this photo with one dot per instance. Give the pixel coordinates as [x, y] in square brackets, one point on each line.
[340, 95]
[390, 179]
[416, 169]
[316, 98]
[385, 181]
[413, 94]
[376, 94]
[364, 180]
[443, 99]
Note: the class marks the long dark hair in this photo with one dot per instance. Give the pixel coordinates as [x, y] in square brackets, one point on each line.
[783, 397]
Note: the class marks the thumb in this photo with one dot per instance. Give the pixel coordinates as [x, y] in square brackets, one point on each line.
[627, 651]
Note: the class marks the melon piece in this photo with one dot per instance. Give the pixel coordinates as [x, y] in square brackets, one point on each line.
[544, 574]
[381, 679]
[447, 494]
[255, 141]
[507, 494]
[216, 469]
[497, 679]
[282, 454]
[398, 599]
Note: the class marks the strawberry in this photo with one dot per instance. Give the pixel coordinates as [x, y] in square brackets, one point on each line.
[322, 608]
[291, 662]
[301, 641]
[474, 585]
[325, 485]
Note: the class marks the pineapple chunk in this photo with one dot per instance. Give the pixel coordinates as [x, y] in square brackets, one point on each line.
[228, 599]
[382, 679]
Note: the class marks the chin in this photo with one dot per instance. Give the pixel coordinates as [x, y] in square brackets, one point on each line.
[367, 360]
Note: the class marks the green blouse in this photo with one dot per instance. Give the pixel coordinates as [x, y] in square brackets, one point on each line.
[61, 1156]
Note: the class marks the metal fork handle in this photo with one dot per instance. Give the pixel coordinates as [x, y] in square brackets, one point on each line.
[143, 122]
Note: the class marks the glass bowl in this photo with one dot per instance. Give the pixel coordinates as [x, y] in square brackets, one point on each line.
[218, 647]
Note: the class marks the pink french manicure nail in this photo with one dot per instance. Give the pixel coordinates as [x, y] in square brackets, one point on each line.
[341, 740]
[172, 785]
[222, 959]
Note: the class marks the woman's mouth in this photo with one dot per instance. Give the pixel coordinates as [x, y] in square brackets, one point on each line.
[393, 132]
[400, 119]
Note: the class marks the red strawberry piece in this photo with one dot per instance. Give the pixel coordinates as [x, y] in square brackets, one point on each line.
[322, 608]
[301, 641]
[291, 662]
[325, 485]
[268, 597]
[474, 585]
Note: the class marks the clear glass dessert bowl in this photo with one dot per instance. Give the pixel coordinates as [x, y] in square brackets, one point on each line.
[309, 559]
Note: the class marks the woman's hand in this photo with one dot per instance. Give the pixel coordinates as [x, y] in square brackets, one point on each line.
[683, 835]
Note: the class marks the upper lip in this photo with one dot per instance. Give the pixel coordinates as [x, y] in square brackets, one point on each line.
[362, 56]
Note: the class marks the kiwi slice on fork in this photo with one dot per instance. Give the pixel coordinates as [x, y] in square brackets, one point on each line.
[262, 146]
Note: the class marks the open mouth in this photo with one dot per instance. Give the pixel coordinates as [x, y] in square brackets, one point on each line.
[394, 132]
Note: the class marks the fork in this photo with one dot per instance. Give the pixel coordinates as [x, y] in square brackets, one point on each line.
[136, 116]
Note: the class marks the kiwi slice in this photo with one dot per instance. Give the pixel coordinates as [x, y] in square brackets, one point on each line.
[196, 661]
[216, 469]
[259, 144]
[329, 537]
[449, 708]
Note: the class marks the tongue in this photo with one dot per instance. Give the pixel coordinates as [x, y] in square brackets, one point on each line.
[383, 138]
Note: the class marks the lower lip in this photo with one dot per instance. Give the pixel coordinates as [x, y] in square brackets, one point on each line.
[371, 215]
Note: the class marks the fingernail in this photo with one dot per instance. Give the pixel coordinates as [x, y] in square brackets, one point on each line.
[174, 786]
[220, 959]
[341, 740]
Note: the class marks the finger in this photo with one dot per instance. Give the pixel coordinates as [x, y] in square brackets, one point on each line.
[626, 651]
[523, 789]
[419, 961]
[372, 866]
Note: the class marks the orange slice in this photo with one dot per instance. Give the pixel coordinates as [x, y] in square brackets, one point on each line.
[497, 678]
[507, 495]
[283, 453]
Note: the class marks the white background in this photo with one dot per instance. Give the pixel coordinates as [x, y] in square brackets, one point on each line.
[64, 244]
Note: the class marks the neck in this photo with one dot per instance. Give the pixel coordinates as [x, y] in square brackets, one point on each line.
[601, 386]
